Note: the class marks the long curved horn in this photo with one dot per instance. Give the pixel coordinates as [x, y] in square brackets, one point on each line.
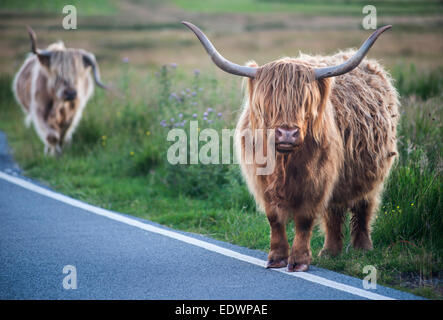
[354, 61]
[34, 49]
[89, 60]
[218, 59]
[33, 39]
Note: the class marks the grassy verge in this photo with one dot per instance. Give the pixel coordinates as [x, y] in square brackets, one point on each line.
[118, 161]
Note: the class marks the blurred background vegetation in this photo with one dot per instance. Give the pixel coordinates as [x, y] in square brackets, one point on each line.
[164, 79]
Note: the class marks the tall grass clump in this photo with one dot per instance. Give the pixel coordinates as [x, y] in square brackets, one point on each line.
[422, 84]
[412, 204]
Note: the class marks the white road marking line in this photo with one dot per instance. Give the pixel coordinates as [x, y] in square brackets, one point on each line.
[199, 243]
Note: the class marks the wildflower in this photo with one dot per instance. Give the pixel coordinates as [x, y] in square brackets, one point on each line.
[174, 65]
[188, 90]
[194, 115]
[193, 93]
[205, 118]
[205, 114]
[131, 153]
[210, 121]
[125, 59]
[104, 137]
[412, 204]
[148, 133]
[210, 109]
[219, 114]
[180, 115]
[194, 103]
[172, 119]
[196, 72]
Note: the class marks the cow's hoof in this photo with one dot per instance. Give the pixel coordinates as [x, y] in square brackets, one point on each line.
[297, 267]
[277, 263]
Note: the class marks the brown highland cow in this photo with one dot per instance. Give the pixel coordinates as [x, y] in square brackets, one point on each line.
[334, 122]
[53, 87]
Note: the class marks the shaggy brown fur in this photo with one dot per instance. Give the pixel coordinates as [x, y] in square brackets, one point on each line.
[40, 87]
[348, 129]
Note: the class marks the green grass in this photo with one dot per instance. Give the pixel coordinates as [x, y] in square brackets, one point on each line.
[312, 7]
[118, 161]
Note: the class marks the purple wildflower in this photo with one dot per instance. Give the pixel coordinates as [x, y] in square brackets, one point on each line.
[210, 109]
[174, 65]
[196, 72]
[125, 59]
[172, 119]
[205, 114]
[219, 114]
[180, 115]
[194, 115]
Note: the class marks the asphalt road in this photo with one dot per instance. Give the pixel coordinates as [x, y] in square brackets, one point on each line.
[116, 256]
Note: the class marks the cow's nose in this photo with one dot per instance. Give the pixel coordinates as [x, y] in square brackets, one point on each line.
[70, 94]
[289, 136]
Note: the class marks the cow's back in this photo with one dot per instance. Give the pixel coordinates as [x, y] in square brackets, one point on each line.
[366, 104]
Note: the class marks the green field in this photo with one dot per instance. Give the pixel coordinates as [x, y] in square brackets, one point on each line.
[96, 7]
[313, 7]
[310, 7]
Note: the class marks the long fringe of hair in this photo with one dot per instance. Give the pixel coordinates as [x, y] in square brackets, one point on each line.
[284, 93]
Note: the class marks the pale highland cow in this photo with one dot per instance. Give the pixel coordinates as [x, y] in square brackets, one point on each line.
[53, 87]
[334, 122]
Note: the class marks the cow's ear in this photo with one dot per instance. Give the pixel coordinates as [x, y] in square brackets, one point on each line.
[45, 59]
[251, 81]
[324, 88]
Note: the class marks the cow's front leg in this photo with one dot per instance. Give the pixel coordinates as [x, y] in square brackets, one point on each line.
[278, 255]
[300, 257]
